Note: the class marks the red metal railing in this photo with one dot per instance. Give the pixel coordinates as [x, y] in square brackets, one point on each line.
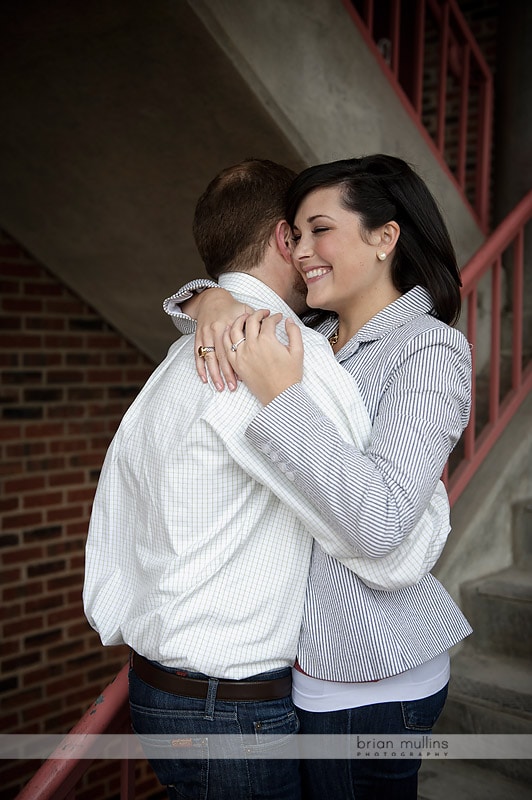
[58, 777]
[504, 254]
[428, 53]
[504, 250]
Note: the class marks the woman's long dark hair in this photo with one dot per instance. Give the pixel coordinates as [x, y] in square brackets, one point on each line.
[381, 188]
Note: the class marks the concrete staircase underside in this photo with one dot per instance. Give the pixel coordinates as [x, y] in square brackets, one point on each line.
[115, 115]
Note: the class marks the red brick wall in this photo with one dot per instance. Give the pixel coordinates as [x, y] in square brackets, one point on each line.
[66, 380]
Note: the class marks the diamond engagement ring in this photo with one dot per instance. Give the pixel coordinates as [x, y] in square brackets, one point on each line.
[202, 351]
[234, 347]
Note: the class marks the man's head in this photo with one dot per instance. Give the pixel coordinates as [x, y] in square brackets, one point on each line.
[237, 214]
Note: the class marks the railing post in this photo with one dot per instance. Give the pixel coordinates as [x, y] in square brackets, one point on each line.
[482, 198]
[395, 36]
[517, 309]
[419, 55]
[127, 779]
[464, 116]
[368, 14]
[469, 435]
[495, 350]
[442, 82]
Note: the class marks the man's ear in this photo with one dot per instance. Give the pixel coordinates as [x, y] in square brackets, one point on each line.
[283, 237]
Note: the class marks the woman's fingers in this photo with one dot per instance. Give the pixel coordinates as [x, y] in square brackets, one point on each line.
[215, 362]
[295, 339]
[268, 326]
[201, 368]
[227, 341]
[206, 359]
[264, 364]
[222, 362]
[248, 326]
[214, 309]
[236, 330]
[259, 323]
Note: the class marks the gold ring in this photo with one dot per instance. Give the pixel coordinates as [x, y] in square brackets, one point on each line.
[202, 351]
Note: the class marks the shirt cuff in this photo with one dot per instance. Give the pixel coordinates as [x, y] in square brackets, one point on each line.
[271, 430]
[172, 305]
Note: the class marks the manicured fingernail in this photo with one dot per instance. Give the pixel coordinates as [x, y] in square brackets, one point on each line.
[203, 379]
[231, 387]
[219, 386]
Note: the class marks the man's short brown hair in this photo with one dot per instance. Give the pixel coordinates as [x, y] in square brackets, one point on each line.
[237, 214]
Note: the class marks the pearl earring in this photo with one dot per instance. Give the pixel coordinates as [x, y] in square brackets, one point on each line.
[381, 256]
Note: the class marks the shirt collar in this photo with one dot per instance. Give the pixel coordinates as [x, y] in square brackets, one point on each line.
[416, 302]
[253, 292]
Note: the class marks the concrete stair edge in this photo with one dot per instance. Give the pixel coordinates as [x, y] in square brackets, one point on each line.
[494, 680]
[499, 607]
[466, 780]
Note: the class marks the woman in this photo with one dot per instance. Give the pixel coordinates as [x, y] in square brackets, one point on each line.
[374, 252]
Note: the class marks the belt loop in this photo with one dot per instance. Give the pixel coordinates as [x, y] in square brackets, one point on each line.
[211, 698]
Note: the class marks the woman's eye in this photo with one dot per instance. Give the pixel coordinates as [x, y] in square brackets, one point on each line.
[320, 229]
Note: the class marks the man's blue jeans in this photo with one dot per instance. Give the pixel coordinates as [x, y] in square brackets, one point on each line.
[368, 778]
[181, 726]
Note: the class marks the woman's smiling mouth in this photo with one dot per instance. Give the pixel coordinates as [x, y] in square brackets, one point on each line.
[316, 272]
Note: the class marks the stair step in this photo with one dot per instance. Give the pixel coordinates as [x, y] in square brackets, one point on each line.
[490, 695]
[462, 780]
[511, 583]
[502, 682]
[522, 532]
[499, 608]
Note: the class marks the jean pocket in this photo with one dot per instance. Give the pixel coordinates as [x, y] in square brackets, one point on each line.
[421, 715]
[276, 732]
[180, 762]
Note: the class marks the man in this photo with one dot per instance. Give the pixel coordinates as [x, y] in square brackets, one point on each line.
[198, 552]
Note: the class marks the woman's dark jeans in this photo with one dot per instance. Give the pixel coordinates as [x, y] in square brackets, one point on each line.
[368, 778]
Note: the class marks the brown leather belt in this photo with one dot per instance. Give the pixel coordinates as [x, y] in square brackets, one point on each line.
[243, 691]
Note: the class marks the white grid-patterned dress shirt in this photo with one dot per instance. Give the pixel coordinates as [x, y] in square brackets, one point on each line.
[199, 545]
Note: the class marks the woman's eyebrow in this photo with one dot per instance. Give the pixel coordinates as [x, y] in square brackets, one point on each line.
[315, 216]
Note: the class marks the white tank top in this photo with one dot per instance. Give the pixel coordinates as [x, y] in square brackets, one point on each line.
[314, 694]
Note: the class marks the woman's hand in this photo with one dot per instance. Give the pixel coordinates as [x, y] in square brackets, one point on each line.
[266, 366]
[214, 310]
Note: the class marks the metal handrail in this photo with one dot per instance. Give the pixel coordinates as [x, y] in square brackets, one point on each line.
[503, 251]
[400, 39]
[57, 778]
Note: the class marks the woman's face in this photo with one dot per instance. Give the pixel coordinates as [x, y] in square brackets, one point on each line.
[340, 268]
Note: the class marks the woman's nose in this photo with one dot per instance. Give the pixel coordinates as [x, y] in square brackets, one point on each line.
[301, 249]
